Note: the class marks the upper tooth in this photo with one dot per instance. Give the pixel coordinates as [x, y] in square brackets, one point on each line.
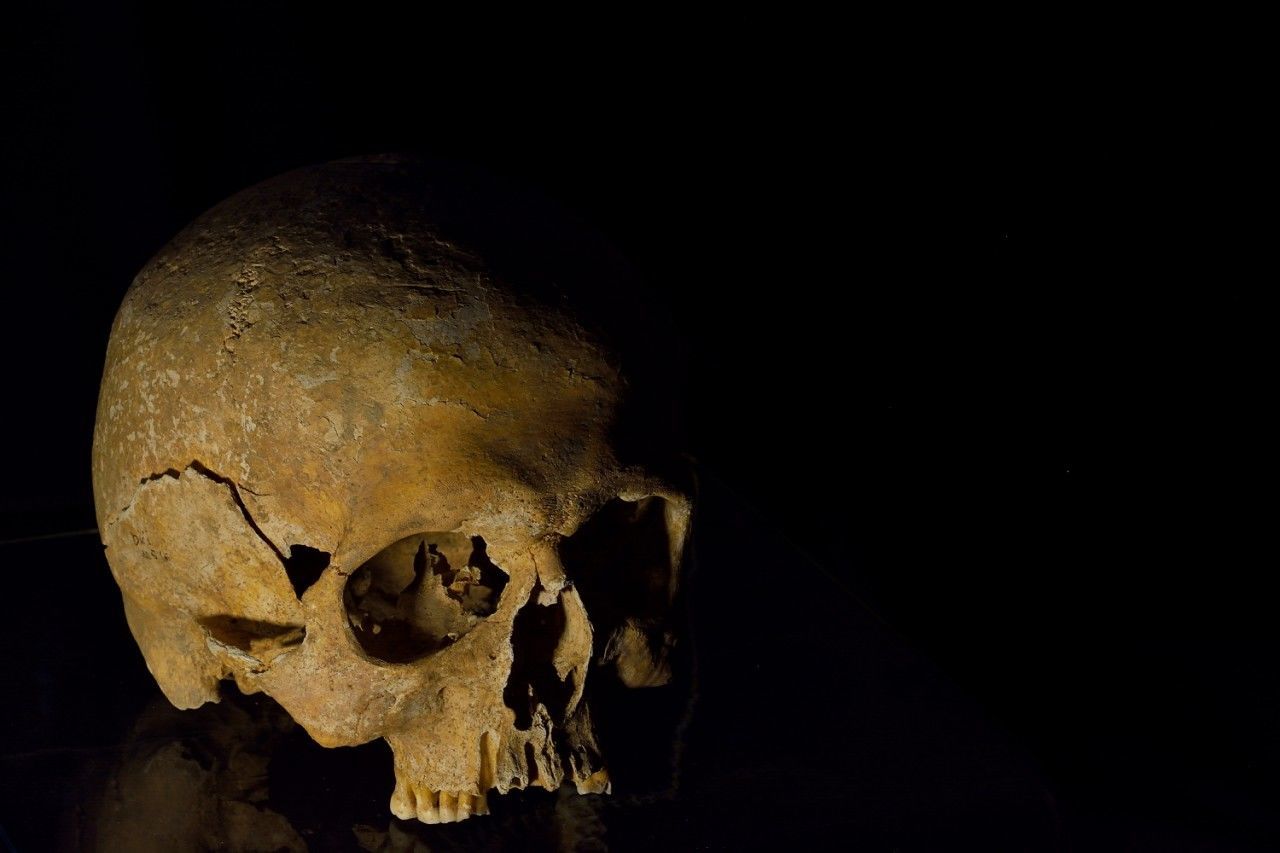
[464, 806]
[448, 807]
[427, 811]
[403, 803]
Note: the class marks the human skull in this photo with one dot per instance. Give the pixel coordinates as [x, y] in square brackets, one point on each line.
[357, 453]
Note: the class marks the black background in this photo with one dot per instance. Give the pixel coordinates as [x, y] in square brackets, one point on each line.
[931, 345]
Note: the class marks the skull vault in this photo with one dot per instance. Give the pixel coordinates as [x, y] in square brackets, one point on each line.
[392, 476]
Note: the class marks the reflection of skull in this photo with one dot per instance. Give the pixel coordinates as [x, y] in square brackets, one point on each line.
[341, 461]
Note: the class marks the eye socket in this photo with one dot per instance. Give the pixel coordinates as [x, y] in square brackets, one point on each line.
[420, 594]
[622, 563]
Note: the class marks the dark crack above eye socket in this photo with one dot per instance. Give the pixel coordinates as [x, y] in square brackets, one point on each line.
[420, 594]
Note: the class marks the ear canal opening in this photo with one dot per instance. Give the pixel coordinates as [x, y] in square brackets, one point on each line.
[421, 594]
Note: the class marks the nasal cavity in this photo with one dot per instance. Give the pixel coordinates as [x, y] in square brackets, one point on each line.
[304, 565]
[533, 679]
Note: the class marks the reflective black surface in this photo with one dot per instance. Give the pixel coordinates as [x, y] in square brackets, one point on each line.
[967, 341]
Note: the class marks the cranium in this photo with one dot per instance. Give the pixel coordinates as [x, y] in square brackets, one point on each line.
[393, 477]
